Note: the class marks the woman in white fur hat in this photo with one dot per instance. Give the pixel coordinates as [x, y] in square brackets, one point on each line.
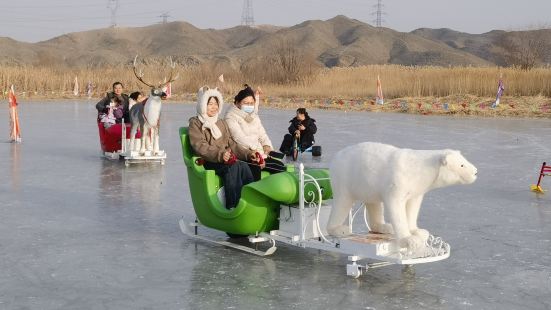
[211, 139]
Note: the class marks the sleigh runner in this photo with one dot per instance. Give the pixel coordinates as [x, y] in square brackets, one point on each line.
[290, 207]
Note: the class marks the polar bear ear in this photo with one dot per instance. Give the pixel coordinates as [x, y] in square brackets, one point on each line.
[444, 159]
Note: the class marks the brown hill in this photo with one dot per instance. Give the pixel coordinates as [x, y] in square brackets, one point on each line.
[489, 45]
[339, 41]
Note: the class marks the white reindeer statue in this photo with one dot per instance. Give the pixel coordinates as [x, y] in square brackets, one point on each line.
[147, 116]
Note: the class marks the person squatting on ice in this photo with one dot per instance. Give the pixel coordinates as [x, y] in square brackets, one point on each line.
[303, 128]
[210, 138]
[113, 107]
[247, 130]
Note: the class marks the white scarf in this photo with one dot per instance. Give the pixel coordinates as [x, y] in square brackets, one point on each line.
[209, 122]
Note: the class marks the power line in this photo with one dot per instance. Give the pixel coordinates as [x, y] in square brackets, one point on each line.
[379, 14]
[114, 6]
[165, 17]
[247, 17]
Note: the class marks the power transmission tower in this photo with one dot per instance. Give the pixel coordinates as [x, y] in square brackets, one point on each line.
[379, 13]
[165, 17]
[247, 17]
[113, 5]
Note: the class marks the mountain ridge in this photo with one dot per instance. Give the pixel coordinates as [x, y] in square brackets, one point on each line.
[339, 41]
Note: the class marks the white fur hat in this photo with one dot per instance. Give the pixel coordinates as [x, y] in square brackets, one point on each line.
[203, 96]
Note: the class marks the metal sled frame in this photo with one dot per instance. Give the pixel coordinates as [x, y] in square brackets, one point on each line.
[357, 246]
[296, 152]
[131, 157]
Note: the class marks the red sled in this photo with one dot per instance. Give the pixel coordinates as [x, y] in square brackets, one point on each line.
[113, 146]
[111, 138]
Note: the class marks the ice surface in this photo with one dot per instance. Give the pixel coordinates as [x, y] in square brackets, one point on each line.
[81, 232]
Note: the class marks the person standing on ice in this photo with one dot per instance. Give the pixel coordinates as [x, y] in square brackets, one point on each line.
[247, 130]
[210, 138]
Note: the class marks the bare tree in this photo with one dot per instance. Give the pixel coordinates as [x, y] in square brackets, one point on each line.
[289, 60]
[524, 49]
[287, 65]
[291, 64]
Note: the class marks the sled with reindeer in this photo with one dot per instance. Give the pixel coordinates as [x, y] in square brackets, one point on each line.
[291, 207]
[116, 145]
[138, 140]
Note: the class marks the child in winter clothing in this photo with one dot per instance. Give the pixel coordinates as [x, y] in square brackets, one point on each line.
[303, 128]
[113, 107]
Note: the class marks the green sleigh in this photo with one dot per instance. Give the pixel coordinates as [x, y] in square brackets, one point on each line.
[259, 206]
[291, 207]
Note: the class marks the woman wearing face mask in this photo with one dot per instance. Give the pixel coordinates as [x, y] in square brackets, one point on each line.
[247, 130]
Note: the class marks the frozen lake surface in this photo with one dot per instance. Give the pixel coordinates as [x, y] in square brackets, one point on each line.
[81, 232]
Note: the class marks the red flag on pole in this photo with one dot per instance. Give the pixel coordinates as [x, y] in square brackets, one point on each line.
[15, 132]
[380, 98]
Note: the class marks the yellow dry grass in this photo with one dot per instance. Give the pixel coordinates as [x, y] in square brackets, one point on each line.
[426, 90]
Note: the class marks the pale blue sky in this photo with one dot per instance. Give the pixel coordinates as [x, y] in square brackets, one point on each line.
[32, 20]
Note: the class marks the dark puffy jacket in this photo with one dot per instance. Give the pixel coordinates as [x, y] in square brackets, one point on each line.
[103, 104]
[306, 135]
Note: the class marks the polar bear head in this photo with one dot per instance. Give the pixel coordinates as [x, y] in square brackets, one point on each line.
[455, 169]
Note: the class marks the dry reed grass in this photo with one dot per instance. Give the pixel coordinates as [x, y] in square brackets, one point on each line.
[467, 90]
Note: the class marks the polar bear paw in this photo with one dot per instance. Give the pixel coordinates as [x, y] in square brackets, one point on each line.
[421, 233]
[339, 231]
[412, 243]
[382, 228]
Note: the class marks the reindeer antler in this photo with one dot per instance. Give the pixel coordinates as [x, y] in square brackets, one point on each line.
[139, 76]
[170, 79]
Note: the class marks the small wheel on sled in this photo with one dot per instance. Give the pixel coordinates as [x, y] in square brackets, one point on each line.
[316, 150]
[294, 149]
[353, 270]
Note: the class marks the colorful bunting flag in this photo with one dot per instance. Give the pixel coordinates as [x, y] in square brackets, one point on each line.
[500, 89]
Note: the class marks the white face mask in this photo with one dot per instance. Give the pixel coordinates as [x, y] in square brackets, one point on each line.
[247, 108]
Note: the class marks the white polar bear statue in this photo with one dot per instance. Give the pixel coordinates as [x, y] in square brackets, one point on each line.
[391, 180]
